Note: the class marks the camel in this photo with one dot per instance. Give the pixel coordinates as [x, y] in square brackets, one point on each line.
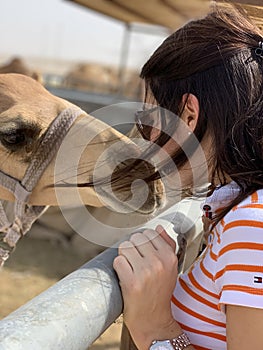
[17, 65]
[27, 112]
[95, 77]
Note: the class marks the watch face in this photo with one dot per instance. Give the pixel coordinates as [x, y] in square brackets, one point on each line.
[162, 345]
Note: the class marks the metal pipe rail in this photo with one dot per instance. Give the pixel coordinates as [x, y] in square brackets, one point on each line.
[74, 312]
[69, 315]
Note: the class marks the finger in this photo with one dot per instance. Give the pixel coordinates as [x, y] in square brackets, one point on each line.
[155, 238]
[166, 237]
[129, 251]
[124, 270]
[158, 240]
[142, 243]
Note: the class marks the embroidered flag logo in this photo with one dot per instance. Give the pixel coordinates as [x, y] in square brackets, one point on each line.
[258, 279]
[207, 211]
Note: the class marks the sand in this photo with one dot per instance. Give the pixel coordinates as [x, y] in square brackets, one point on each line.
[36, 265]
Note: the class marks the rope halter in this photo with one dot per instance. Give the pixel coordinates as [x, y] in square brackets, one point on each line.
[25, 214]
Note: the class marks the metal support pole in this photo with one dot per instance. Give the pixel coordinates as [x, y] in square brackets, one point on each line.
[69, 315]
[124, 57]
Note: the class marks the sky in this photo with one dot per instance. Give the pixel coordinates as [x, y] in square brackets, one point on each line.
[57, 29]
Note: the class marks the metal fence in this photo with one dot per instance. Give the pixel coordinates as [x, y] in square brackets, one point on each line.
[69, 315]
[74, 312]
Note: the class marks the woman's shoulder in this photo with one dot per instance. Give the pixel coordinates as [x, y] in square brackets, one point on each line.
[256, 198]
[249, 212]
[253, 201]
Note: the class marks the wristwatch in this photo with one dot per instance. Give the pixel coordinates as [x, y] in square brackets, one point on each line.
[178, 343]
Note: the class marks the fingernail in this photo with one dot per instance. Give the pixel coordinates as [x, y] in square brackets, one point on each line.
[159, 228]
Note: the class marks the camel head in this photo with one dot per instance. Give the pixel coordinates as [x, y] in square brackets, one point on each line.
[27, 110]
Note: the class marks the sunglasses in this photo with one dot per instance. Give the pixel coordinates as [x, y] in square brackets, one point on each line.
[151, 122]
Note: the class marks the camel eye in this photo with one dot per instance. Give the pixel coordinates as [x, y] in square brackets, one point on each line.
[13, 139]
[18, 136]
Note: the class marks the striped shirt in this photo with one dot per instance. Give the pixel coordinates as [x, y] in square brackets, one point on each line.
[229, 271]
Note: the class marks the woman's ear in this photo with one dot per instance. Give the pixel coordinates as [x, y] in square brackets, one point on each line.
[190, 113]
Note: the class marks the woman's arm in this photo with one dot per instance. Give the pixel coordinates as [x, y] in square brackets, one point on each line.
[147, 269]
[244, 328]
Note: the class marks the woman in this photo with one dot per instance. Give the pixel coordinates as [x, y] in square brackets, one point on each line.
[210, 73]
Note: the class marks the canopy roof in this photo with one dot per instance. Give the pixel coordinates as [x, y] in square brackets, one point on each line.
[168, 13]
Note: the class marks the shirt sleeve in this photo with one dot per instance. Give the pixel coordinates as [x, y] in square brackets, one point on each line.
[239, 272]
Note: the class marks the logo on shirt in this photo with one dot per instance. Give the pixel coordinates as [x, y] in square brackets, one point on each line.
[207, 211]
[258, 279]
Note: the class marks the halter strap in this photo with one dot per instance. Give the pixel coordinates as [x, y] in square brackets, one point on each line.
[24, 214]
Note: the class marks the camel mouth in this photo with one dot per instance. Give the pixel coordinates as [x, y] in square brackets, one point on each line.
[119, 201]
[128, 189]
[114, 174]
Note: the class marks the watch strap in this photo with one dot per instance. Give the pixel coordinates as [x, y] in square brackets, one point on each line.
[180, 342]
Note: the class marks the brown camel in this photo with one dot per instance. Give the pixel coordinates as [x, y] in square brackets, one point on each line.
[100, 78]
[27, 110]
[92, 77]
[17, 65]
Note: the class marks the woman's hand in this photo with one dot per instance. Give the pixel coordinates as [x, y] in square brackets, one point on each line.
[147, 270]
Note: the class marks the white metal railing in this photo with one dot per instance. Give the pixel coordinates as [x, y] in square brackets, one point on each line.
[78, 309]
[69, 315]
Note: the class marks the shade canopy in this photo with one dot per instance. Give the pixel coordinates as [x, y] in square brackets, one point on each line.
[167, 13]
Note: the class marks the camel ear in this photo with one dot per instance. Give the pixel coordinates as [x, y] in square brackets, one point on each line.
[37, 76]
[190, 113]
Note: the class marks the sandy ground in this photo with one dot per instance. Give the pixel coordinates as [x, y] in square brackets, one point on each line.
[33, 267]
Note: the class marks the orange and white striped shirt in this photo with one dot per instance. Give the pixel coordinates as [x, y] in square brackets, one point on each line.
[229, 271]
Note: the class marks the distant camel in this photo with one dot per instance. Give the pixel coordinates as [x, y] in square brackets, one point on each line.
[100, 78]
[27, 114]
[17, 65]
[93, 77]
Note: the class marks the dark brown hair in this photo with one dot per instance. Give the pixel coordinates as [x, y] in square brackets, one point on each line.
[214, 59]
